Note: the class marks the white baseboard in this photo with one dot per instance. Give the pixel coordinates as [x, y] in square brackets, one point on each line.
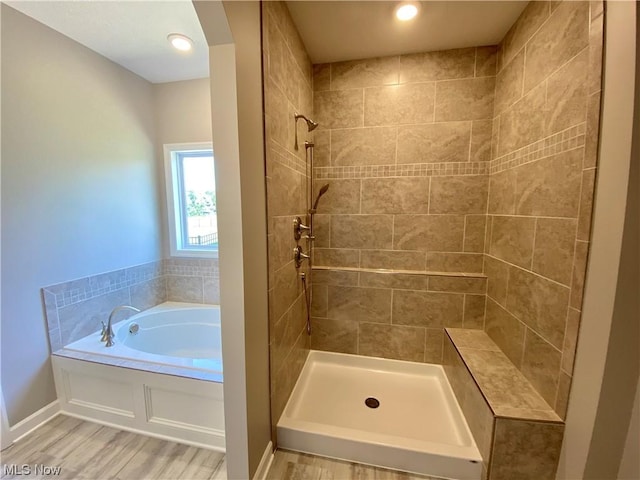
[29, 424]
[265, 463]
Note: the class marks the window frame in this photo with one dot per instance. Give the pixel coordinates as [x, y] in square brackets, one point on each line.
[177, 222]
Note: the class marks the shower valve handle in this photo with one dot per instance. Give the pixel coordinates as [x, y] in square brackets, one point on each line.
[299, 227]
[299, 256]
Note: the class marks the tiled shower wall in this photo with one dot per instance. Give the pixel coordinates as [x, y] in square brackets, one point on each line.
[543, 164]
[74, 309]
[404, 143]
[287, 90]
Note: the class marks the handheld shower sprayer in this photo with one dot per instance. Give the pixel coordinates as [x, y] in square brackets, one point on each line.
[311, 125]
[322, 191]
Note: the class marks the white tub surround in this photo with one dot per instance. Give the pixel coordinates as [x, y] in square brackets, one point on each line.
[139, 383]
[417, 427]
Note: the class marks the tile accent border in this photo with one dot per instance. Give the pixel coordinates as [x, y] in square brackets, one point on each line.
[573, 137]
[73, 309]
[404, 170]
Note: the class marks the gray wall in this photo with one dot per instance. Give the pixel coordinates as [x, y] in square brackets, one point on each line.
[78, 189]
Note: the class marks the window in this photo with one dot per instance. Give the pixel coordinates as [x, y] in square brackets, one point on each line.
[191, 200]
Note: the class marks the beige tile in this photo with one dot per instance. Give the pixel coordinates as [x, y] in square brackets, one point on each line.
[509, 83]
[334, 335]
[393, 260]
[562, 398]
[553, 251]
[533, 16]
[427, 309]
[497, 273]
[440, 65]
[476, 411]
[181, 289]
[371, 72]
[459, 194]
[593, 131]
[467, 99]
[495, 137]
[472, 339]
[211, 290]
[336, 257]
[579, 273]
[567, 94]
[442, 233]
[362, 231]
[433, 346]
[319, 301]
[281, 63]
[551, 186]
[594, 81]
[474, 233]
[343, 196]
[335, 277]
[525, 450]
[286, 289]
[586, 204]
[286, 331]
[361, 304]
[321, 77]
[481, 141]
[395, 195]
[277, 121]
[539, 303]
[486, 61]
[506, 330]
[391, 341]
[477, 285]
[558, 40]
[322, 149]
[570, 340]
[144, 295]
[399, 104]
[512, 239]
[280, 242]
[363, 146]
[474, 306]
[285, 190]
[524, 122]
[338, 109]
[322, 231]
[502, 192]
[541, 365]
[454, 262]
[436, 142]
[406, 281]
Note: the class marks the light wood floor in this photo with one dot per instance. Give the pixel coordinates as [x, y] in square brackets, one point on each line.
[88, 451]
[301, 466]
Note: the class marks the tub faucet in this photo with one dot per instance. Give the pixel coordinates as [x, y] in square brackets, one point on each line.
[107, 331]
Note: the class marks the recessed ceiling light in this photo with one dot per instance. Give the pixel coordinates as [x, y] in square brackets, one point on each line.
[406, 11]
[180, 42]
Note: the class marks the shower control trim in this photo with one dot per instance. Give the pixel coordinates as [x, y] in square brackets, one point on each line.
[299, 256]
[299, 227]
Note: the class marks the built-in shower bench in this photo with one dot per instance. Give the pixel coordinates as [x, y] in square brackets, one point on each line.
[518, 434]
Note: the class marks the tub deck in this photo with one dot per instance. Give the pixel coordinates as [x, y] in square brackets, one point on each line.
[417, 427]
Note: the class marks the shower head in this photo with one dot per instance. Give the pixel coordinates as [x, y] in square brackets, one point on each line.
[311, 125]
[322, 191]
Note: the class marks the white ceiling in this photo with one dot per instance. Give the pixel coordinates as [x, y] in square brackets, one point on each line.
[347, 30]
[130, 33]
[134, 33]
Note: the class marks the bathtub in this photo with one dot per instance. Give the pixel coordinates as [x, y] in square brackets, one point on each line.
[162, 377]
[381, 412]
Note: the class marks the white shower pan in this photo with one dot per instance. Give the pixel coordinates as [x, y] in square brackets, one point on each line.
[418, 426]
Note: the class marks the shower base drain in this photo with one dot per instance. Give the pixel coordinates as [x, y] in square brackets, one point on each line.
[372, 402]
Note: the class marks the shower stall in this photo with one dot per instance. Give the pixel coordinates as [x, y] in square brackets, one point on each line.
[441, 210]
